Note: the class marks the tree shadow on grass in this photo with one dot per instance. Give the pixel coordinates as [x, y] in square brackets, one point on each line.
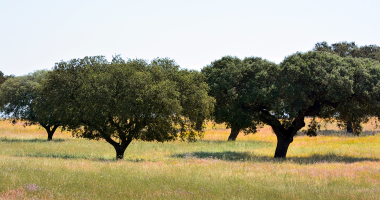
[329, 158]
[36, 140]
[65, 156]
[341, 133]
[77, 156]
[249, 156]
[226, 142]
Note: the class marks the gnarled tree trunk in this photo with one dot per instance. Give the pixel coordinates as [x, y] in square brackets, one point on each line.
[50, 131]
[285, 135]
[119, 147]
[234, 133]
[120, 151]
[283, 143]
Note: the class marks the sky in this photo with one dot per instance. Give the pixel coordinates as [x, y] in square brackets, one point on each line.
[36, 34]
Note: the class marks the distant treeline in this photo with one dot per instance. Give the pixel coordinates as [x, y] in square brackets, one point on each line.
[125, 100]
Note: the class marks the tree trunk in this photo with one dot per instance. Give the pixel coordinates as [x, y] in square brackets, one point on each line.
[50, 135]
[283, 143]
[234, 133]
[198, 125]
[51, 131]
[285, 134]
[120, 152]
[119, 148]
[349, 127]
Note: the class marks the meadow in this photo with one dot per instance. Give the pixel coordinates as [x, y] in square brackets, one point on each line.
[333, 165]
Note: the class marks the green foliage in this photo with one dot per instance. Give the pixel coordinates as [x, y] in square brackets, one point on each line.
[317, 84]
[3, 78]
[22, 98]
[345, 49]
[128, 100]
[238, 85]
[325, 85]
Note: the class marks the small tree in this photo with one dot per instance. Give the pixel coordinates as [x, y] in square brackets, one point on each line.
[22, 98]
[122, 101]
[317, 84]
[235, 84]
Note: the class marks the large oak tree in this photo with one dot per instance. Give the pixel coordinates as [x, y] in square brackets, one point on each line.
[122, 101]
[317, 84]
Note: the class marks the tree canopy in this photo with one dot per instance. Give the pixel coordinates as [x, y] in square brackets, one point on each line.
[125, 100]
[236, 84]
[3, 77]
[121, 101]
[345, 49]
[22, 98]
[316, 84]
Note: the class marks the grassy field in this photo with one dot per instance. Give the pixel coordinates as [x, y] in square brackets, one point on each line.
[333, 165]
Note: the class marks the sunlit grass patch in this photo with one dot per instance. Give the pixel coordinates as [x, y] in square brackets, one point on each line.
[39, 140]
[9, 129]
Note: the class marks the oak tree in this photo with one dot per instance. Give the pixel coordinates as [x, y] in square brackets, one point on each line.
[317, 84]
[236, 84]
[122, 101]
[22, 98]
[345, 49]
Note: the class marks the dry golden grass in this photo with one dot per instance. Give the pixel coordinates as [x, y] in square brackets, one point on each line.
[19, 130]
[333, 165]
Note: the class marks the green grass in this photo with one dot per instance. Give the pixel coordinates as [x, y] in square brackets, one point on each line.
[323, 167]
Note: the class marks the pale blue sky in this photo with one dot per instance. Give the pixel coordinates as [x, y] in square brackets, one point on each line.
[36, 34]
